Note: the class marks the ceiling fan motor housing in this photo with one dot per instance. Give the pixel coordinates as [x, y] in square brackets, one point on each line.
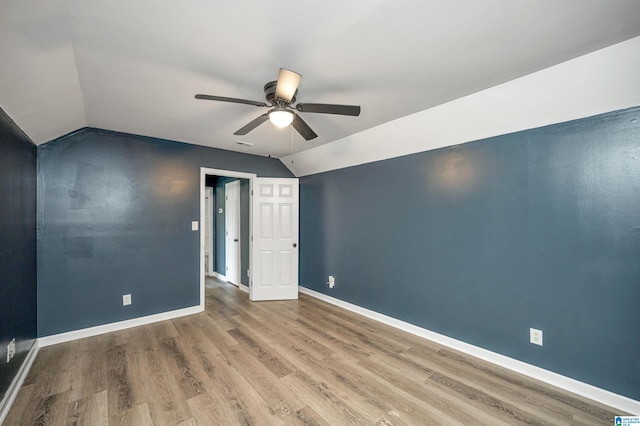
[270, 95]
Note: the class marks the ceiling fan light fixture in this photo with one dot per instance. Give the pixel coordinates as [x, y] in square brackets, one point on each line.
[281, 117]
[280, 96]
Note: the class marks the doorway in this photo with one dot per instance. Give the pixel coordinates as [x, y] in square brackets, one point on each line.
[230, 226]
[218, 213]
[271, 239]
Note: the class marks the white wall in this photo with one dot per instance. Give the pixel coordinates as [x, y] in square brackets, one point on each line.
[602, 81]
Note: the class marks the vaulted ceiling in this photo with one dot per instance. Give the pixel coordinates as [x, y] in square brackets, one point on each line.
[134, 66]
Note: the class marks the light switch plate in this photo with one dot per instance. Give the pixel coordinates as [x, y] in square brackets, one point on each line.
[194, 225]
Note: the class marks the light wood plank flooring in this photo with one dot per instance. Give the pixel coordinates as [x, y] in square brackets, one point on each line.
[273, 363]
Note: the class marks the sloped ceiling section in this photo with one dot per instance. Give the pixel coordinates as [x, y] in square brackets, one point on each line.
[601, 81]
[39, 85]
[135, 66]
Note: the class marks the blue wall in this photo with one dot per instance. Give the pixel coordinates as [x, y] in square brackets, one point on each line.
[220, 226]
[115, 214]
[17, 247]
[245, 200]
[483, 240]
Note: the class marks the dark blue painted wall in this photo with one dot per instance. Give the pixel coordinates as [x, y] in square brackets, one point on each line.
[483, 240]
[220, 226]
[17, 247]
[245, 199]
[115, 214]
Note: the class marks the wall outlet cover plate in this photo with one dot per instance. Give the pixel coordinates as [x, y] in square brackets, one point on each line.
[535, 336]
[11, 349]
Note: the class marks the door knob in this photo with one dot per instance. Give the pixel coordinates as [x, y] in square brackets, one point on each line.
[235, 240]
[295, 245]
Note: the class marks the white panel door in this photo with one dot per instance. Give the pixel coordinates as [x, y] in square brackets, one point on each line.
[274, 251]
[232, 237]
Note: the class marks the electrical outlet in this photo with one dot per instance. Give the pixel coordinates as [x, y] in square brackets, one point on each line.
[535, 336]
[11, 349]
[332, 281]
[126, 299]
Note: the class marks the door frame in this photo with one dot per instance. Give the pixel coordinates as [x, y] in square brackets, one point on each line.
[237, 247]
[204, 171]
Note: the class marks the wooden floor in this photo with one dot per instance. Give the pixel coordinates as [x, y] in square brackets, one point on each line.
[294, 362]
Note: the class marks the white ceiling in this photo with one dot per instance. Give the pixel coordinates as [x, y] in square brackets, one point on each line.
[134, 66]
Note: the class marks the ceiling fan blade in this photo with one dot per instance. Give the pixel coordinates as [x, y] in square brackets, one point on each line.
[353, 110]
[288, 82]
[252, 125]
[234, 100]
[303, 128]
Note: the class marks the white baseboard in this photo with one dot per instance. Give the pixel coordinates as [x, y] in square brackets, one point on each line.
[243, 288]
[219, 276]
[16, 384]
[116, 326]
[589, 391]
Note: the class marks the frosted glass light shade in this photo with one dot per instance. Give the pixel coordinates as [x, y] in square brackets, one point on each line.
[281, 118]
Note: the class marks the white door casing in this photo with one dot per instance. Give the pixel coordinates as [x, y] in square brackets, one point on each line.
[204, 171]
[274, 251]
[232, 234]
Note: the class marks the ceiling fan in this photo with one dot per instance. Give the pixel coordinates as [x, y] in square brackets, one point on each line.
[280, 96]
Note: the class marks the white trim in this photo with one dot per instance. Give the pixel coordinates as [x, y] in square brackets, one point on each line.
[16, 384]
[597, 394]
[243, 288]
[219, 276]
[602, 81]
[204, 171]
[116, 326]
